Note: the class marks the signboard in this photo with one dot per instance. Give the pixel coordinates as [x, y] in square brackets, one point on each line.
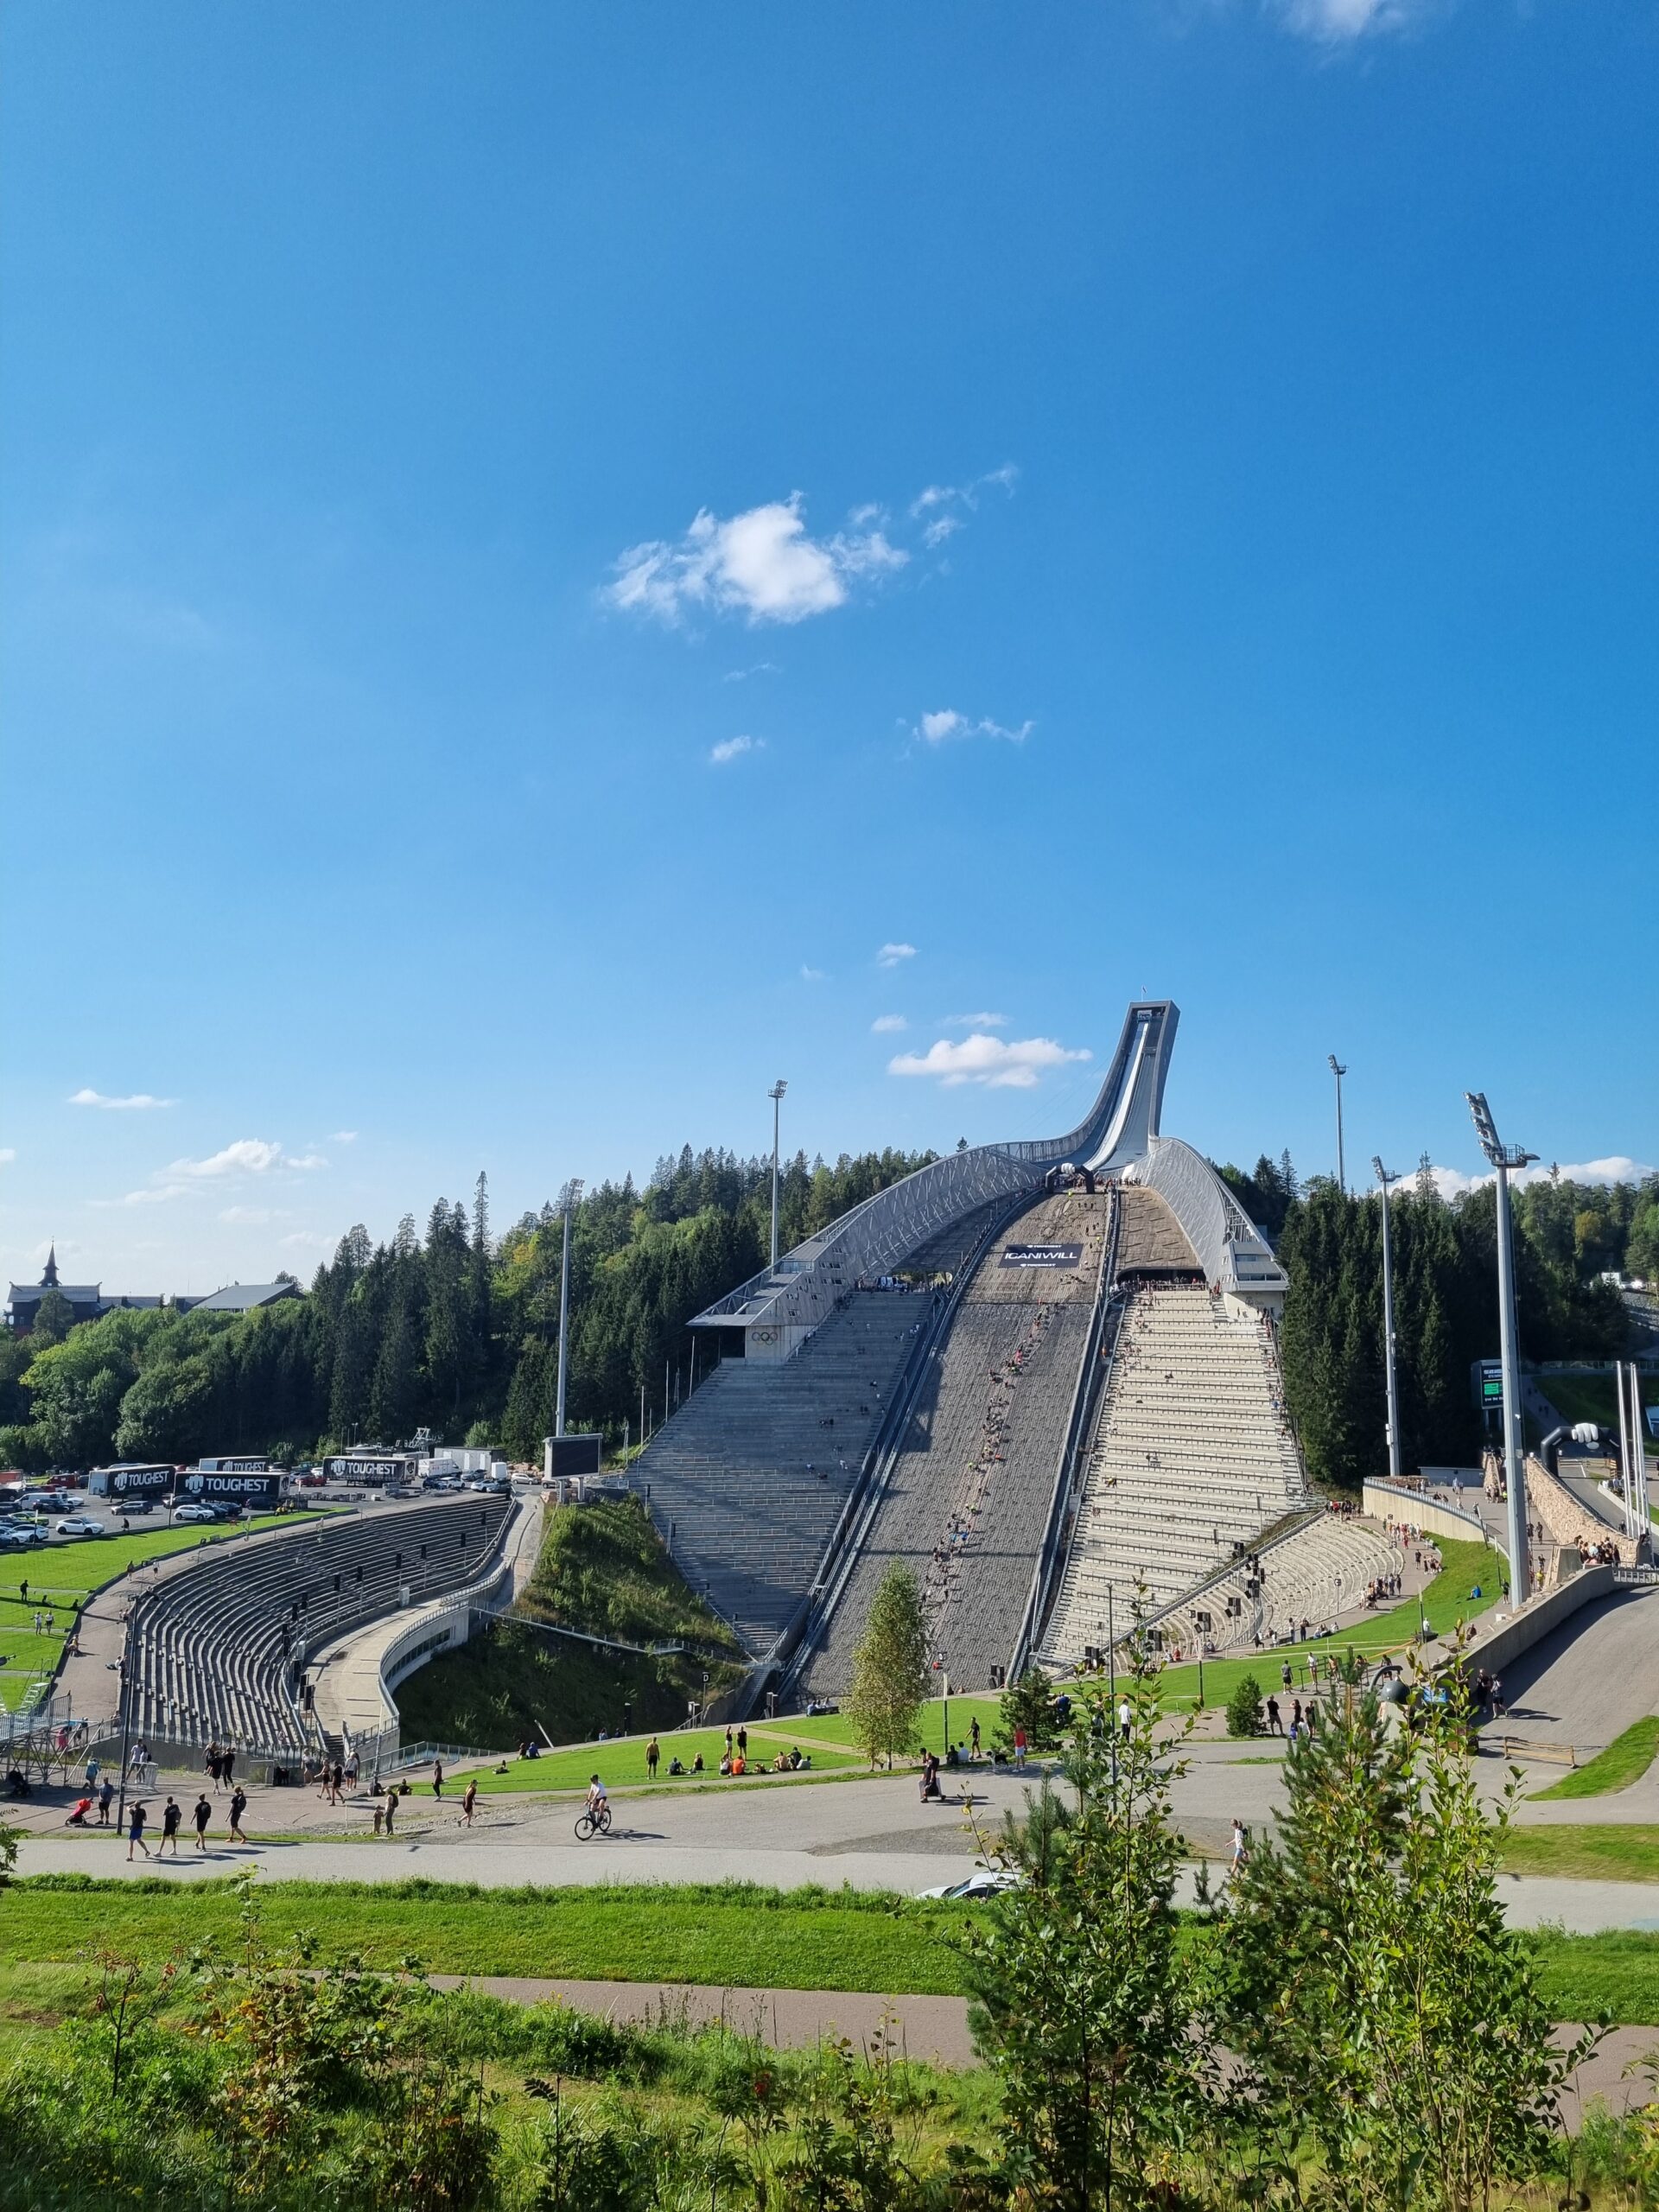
[207, 1486]
[1056, 1257]
[369, 1472]
[563, 1456]
[234, 1466]
[1487, 1376]
[130, 1481]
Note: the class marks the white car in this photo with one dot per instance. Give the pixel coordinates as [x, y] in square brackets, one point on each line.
[79, 1524]
[194, 1513]
[986, 1883]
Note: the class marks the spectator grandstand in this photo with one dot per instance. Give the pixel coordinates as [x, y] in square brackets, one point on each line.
[1192, 1458]
[1315, 1573]
[216, 1650]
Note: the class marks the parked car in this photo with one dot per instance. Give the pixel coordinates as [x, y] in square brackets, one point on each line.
[127, 1506]
[194, 1513]
[79, 1524]
[977, 1887]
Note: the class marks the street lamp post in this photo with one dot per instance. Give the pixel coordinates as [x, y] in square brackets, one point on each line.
[1384, 1179]
[1338, 1070]
[1506, 1158]
[569, 1200]
[776, 1096]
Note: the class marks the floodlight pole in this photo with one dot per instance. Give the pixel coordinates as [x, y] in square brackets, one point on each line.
[1506, 1158]
[572, 1197]
[1385, 1179]
[776, 1096]
[1338, 1070]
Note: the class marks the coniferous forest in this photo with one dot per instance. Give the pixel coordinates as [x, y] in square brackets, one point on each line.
[454, 1328]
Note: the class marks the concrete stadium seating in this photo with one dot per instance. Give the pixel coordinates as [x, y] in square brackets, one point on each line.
[211, 1647]
[966, 1501]
[748, 1481]
[1313, 1574]
[1192, 1454]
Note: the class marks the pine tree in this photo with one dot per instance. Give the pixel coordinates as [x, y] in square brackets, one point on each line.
[890, 1670]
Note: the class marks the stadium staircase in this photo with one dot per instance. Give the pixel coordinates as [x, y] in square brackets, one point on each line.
[964, 1501]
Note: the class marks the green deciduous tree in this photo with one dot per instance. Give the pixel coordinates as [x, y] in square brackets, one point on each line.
[890, 1670]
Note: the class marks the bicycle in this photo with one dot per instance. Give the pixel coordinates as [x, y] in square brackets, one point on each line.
[592, 1824]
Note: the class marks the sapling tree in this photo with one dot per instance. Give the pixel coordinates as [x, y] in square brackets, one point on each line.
[890, 1670]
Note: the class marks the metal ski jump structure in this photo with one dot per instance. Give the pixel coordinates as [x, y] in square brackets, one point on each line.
[761, 1483]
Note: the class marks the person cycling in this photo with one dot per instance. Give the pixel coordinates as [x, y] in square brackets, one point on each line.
[596, 1798]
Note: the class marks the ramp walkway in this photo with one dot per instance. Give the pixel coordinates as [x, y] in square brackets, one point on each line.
[966, 1499]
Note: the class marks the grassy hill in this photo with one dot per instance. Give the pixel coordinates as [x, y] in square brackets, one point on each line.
[1590, 1397]
[603, 1571]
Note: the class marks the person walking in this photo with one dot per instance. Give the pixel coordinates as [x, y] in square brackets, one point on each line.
[105, 1799]
[1241, 1848]
[238, 1806]
[135, 1818]
[170, 1827]
[973, 1741]
[469, 1798]
[392, 1805]
[653, 1752]
[204, 1813]
[227, 1766]
[437, 1780]
[1125, 1719]
[1275, 1725]
[1019, 1740]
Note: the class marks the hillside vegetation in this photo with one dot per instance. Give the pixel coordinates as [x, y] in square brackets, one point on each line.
[602, 1570]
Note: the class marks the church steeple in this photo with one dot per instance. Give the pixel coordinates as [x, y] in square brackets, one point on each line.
[49, 1279]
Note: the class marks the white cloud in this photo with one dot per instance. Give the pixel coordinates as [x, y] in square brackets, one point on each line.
[734, 748]
[343, 1136]
[976, 1021]
[309, 1240]
[1334, 22]
[742, 675]
[813, 975]
[139, 1102]
[247, 1156]
[155, 1194]
[257, 1215]
[943, 725]
[995, 1061]
[891, 955]
[1619, 1167]
[761, 564]
[8, 1153]
[885, 1025]
[943, 504]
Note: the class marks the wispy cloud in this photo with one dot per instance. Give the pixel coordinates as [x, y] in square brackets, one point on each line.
[1452, 1183]
[247, 1156]
[258, 1216]
[343, 1136]
[153, 1194]
[995, 1061]
[942, 509]
[886, 1024]
[944, 724]
[759, 668]
[762, 564]
[1339, 23]
[8, 1153]
[891, 955]
[308, 1240]
[734, 748]
[814, 975]
[137, 1102]
[976, 1021]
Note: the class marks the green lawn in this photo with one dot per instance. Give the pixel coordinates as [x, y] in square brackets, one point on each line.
[1465, 1567]
[620, 1762]
[729, 1934]
[1615, 1853]
[1591, 1397]
[1625, 1760]
[62, 1577]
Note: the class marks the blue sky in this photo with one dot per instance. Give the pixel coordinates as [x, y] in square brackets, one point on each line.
[538, 541]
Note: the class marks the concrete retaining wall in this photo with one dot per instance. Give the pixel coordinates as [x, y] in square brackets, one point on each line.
[1498, 1647]
[1384, 1502]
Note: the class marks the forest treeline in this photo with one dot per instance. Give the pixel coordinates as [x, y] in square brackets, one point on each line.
[456, 1329]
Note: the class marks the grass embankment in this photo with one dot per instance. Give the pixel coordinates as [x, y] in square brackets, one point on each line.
[1590, 1397]
[1449, 1598]
[732, 1935]
[1625, 1760]
[62, 1577]
[1613, 1851]
[602, 1570]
